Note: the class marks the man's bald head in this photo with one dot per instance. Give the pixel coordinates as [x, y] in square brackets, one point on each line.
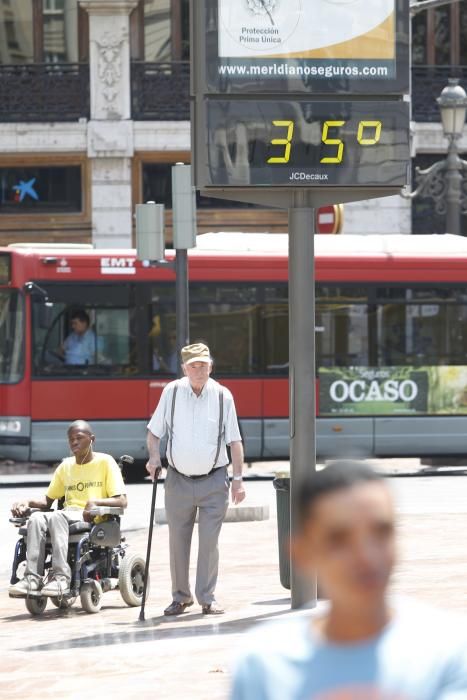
[81, 425]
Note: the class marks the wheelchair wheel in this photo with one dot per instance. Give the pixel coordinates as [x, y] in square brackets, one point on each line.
[91, 597]
[36, 606]
[131, 579]
[63, 603]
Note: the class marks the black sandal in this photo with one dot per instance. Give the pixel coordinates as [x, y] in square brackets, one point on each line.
[177, 608]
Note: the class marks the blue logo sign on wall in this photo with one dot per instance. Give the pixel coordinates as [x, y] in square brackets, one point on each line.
[24, 189]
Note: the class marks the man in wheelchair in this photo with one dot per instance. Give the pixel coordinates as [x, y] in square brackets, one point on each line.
[85, 481]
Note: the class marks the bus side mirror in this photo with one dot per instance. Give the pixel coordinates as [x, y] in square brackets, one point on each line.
[33, 288]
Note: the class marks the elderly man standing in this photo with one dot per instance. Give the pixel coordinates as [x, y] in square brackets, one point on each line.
[199, 419]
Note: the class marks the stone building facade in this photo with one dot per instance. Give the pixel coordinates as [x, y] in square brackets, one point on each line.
[94, 110]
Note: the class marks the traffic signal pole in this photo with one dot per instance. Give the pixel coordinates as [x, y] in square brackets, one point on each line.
[302, 384]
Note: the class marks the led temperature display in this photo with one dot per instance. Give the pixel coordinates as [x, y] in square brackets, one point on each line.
[294, 143]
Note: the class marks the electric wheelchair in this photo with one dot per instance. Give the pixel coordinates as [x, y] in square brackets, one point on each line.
[98, 558]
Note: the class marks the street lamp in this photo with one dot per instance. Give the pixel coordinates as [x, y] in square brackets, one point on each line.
[453, 106]
[443, 182]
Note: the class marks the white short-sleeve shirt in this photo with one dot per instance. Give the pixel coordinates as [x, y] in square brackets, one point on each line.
[193, 447]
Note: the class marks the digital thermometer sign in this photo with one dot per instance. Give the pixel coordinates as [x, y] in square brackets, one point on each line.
[301, 143]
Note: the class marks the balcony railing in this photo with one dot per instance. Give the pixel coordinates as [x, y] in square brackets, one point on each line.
[160, 91]
[44, 92]
[427, 83]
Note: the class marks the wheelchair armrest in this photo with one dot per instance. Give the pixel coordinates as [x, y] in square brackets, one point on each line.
[22, 519]
[106, 510]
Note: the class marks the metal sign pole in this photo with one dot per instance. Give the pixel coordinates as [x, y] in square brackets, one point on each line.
[184, 237]
[181, 301]
[301, 370]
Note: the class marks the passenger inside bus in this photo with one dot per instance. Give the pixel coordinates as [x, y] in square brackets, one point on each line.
[79, 347]
[164, 356]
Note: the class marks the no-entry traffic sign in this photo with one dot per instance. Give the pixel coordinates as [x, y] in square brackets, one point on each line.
[330, 219]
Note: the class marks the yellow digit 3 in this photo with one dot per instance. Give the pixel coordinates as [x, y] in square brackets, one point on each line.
[286, 142]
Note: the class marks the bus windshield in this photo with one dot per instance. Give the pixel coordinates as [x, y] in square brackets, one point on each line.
[11, 336]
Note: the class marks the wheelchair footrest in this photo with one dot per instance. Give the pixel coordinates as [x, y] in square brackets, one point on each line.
[109, 584]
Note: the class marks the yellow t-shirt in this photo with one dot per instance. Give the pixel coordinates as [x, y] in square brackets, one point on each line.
[80, 483]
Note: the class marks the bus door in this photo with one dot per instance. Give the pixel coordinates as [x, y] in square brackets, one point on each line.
[14, 376]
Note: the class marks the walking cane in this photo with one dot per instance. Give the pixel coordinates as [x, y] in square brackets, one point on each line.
[148, 552]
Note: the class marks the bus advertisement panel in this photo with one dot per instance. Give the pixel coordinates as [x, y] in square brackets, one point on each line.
[353, 391]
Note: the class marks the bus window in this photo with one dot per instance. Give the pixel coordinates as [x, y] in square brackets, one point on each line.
[226, 317]
[11, 336]
[113, 336]
[88, 332]
[161, 329]
[343, 323]
[343, 326]
[275, 329]
[342, 338]
[275, 337]
[430, 328]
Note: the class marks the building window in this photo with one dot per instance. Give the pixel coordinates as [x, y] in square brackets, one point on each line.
[419, 39]
[442, 36]
[60, 21]
[439, 36]
[43, 31]
[16, 31]
[463, 34]
[40, 190]
[160, 31]
[157, 30]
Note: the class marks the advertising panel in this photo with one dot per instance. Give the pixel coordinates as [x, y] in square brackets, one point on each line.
[312, 45]
[358, 391]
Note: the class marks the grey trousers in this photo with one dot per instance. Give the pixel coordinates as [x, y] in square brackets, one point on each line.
[184, 497]
[56, 522]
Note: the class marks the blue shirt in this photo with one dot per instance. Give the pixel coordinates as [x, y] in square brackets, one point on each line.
[420, 655]
[80, 349]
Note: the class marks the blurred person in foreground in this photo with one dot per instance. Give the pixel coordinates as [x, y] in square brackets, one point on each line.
[366, 646]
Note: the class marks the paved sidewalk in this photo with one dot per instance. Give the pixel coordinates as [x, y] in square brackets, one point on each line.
[70, 654]
[22, 474]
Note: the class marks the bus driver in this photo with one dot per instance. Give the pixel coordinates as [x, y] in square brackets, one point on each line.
[79, 347]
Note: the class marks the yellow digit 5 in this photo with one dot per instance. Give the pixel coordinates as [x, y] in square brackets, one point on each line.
[377, 126]
[332, 142]
[287, 142]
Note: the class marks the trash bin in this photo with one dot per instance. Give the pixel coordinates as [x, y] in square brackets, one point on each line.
[282, 486]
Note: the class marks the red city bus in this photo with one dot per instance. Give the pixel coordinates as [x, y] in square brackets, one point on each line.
[391, 338]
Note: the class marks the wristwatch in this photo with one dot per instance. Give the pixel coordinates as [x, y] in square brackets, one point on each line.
[238, 478]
